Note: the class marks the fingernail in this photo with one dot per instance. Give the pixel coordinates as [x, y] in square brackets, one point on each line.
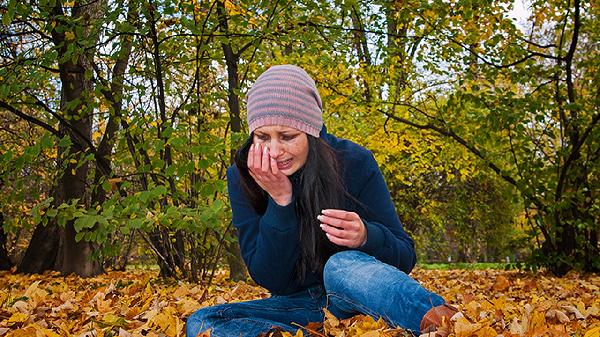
[322, 226]
[319, 217]
[265, 149]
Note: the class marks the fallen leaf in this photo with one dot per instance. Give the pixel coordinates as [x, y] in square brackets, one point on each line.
[501, 284]
[557, 315]
[372, 333]
[463, 328]
[139, 303]
[18, 317]
[594, 332]
[574, 311]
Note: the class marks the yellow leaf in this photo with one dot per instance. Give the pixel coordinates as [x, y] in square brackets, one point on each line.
[594, 332]
[232, 9]
[36, 294]
[486, 332]
[464, 328]
[18, 317]
[96, 135]
[103, 306]
[50, 333]
[186, 306]
[3, 298]
[69, 36]
[25, 332]
[168, 322]
[338, 101]
[538, 319]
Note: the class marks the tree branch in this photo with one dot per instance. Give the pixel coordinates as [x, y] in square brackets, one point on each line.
[508, 65]
[449, 133]
[31, 119]
[76, 131]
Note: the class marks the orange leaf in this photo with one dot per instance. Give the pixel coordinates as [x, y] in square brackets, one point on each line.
[501, 284]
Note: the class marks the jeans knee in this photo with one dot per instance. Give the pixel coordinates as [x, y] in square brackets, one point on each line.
[338, 267]
[201, 320]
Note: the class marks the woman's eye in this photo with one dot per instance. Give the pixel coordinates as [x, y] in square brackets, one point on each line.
[288, 137]
[262, 137]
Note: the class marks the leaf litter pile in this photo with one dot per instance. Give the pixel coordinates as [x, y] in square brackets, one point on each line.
[138, 303]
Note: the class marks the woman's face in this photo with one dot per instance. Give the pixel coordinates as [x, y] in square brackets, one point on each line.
[288, 146]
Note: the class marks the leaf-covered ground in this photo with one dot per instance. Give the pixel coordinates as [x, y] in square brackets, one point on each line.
[137, 303]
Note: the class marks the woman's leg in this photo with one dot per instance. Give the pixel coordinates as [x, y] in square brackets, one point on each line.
[359, 283]
[255, 317]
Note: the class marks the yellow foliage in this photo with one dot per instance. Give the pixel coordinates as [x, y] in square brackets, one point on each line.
[139, 304]
[234, 9]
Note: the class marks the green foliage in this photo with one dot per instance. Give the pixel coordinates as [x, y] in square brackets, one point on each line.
[485, 129]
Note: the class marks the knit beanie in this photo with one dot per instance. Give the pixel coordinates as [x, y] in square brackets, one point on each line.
[285, 95]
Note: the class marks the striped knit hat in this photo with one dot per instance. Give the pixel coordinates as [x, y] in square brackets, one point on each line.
[285, 95]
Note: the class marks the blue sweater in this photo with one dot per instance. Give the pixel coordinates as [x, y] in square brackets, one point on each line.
[269, 241]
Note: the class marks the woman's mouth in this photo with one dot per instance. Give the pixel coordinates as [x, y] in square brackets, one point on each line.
[284, 164]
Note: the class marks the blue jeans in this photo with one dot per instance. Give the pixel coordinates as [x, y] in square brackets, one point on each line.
[354, 283]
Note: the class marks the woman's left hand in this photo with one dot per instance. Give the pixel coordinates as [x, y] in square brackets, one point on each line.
[343, 228]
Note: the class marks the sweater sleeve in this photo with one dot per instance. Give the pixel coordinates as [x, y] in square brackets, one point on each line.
[386, 239]
[268, 242]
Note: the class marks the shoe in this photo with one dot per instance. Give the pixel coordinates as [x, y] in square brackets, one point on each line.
[436, 317]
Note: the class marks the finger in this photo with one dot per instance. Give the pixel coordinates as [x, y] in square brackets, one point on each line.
[340, 214]
[335, 222]
[339, 241]
[250, 159]
[274, 168]
[265, 160]
[339, 233]
[252, 174]
[256, 157]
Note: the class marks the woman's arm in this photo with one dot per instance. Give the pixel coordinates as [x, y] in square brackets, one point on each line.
[268, 242]
[386, 238]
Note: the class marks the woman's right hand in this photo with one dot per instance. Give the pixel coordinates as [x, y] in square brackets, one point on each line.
[264, 170]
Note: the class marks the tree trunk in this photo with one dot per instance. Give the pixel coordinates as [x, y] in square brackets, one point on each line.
[237, 268]
[42, 250]
[52, 246]
[5, 262]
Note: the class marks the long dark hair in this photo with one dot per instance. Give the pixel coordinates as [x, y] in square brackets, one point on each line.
[318, 185]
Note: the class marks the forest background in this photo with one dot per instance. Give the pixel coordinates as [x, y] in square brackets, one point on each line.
[119, 119]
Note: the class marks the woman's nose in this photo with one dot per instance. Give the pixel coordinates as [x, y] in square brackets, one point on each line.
[275, 149]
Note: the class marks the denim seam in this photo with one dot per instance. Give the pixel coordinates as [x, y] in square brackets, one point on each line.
[361, 308]
[222, 312]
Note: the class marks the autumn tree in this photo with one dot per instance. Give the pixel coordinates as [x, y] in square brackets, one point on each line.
[524, 100]
[124, 117]
[72, 34]
[102, 81]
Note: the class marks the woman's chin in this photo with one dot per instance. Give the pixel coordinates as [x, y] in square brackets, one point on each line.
[288, 171]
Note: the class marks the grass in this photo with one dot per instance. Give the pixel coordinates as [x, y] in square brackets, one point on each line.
[465, 265]
[422, 265]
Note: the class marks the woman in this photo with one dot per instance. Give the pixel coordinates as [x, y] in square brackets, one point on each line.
[316, 223]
